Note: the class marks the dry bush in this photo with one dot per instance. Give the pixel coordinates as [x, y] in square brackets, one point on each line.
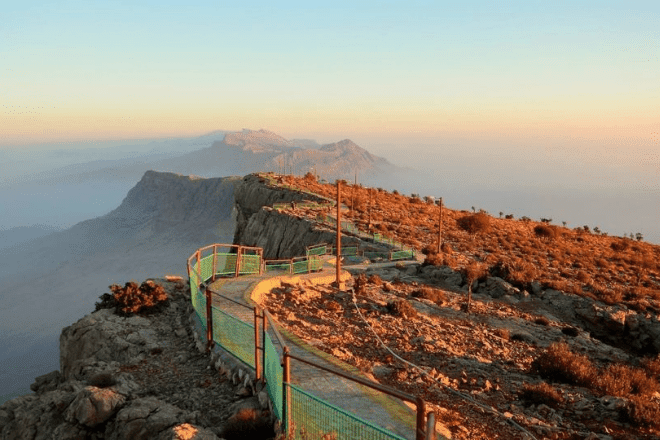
[434, 259]
[545, 232]
[560, 364]
[130, 299]
[542, 320]
[620, 245]
[102, 380]
[376, 280]
[639, 411]
[248, 423]
[652, 367]
[502, 333]
[437, 296]
[623, 380]
[402, 308]
[476, 223]
[360, 284]
[542, 393]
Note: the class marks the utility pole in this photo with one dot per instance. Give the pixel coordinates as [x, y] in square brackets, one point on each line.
[337, 262]
[440, 228]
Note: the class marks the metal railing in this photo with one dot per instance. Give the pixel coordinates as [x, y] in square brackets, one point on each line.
[252, 344]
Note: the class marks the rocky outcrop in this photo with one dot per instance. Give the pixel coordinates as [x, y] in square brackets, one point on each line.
[615, 325]
[138, 377]
[280, 235]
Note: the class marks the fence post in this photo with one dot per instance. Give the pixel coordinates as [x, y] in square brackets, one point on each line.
[430, 426]
[264, 326]
[209, 322]
[291, 266]
[421, 412]
[257, 363]
[238, 261]
[286, 391]
[215, 262]
[261, 259]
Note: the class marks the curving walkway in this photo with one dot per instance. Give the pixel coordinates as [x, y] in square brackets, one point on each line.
[381, 410]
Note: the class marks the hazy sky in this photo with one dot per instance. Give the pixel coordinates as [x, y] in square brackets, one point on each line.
[525, 72]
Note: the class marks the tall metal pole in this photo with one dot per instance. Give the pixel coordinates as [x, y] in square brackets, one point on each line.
[338, 262]
[440, 228]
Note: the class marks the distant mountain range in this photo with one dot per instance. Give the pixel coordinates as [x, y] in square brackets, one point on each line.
[240, 153]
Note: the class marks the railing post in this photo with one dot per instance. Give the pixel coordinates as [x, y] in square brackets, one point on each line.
[215, 262]
[291, 266]
[264, 326]
[257, 359]
[421, 412]
[261, 259]
[430, 426]
[286, 392]
[238, 261]
[209, 322]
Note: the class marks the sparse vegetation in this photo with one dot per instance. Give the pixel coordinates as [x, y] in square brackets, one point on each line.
[131, 298]
[476, 223]
[541, 393]
[558, 363]
[401, 307]
[248, 423]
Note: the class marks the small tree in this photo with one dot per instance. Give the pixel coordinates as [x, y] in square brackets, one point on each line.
[639, 236]
[472, 272]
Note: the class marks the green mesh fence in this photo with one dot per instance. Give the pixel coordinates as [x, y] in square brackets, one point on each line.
[234, 335]
[315, 264]
[273, 372]
[349, 250]
[250, 264]
[282, 268]
[376, 255]
[207, 267]
[225, 263]
[400, 255]
[300, 266]
[316, 418]
[319, 250]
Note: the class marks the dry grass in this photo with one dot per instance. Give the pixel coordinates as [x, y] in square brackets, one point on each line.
[559, 364]
[565, 259]
[248, 423]
[402, 308]
[541, 393]
[437, 296]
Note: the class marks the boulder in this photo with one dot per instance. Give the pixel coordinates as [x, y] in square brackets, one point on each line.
[47, 382]
[145, 418]
[93, 406]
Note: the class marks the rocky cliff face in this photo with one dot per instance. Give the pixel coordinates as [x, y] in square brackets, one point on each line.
[280, 235]
[131, 378]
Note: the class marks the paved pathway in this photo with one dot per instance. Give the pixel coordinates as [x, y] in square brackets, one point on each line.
[370, 405]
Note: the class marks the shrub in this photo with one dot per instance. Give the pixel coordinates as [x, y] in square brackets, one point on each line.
[640, 411]
[402, 308]
[619, 246]
[475, 223]
[542, 320]
[560, 364]
[375, 279]
[435, 295]
[502, 333]
[546, 232]
[542, 393]
[652, 367]
[248, 423]
[132, 299]
[622, 380]
[102, 380]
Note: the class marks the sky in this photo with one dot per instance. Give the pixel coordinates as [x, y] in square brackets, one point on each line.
[535, 85]
[375, 71]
